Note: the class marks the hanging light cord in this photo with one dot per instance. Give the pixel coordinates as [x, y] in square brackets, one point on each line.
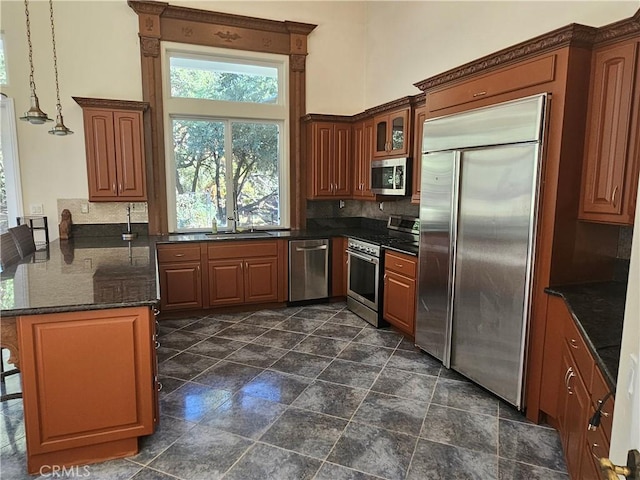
[32, 83]
[55, 58]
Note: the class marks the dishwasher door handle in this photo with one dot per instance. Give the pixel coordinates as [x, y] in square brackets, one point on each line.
[310, 249]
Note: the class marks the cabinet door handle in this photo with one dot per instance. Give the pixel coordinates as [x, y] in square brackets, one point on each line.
[593, 450]
[574, 344]
[399, 265]
[569, 377]
[479, 94]
[178, 254]
[120, 188]
[613, 197]
[113, 187]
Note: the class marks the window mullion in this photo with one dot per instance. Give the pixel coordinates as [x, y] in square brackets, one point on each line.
[228, 148]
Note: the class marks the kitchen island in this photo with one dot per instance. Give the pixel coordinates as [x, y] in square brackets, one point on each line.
[81, 316]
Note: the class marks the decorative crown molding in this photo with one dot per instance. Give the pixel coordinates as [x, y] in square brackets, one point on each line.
[400, 102]
[571, 35]
[111, 104]
[619, 29]
[322, 117]
[146, 7]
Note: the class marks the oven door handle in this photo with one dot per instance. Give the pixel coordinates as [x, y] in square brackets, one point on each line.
[364, 257]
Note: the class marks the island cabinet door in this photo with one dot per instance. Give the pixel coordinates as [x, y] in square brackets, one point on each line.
[88, 384]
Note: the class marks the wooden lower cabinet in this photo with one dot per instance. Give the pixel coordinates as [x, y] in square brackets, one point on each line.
[245, 272]
[226, 282]
[399, 299]
[573, 410]
[180, 275]
[578, 387]
[181, 286]
[89, 384]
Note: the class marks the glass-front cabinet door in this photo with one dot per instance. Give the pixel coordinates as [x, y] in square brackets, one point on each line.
[391, 138]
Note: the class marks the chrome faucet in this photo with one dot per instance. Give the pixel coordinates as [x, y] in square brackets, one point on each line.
[234, 210]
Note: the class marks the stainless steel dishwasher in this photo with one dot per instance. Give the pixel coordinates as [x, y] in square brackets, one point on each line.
[308, 269]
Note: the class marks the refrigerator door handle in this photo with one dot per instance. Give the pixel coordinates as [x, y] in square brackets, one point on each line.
[453, 240]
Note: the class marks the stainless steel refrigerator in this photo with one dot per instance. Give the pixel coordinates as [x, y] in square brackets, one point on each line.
[478, 208]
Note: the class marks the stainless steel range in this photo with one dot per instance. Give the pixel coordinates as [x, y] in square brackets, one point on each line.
[364, 288]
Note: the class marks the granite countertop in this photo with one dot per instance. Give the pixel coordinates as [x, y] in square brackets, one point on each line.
[100, 272]
[598, 309]
[82, 274]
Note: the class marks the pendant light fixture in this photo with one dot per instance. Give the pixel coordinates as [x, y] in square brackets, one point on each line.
[34, 116]
[60, 128]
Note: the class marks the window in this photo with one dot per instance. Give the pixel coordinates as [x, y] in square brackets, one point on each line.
[10, 191]
[226, 130]
[3, 62]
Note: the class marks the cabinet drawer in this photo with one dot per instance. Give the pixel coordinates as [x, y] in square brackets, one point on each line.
[579, 351]
[178, 253]
[599, 389]
[399, 263]
[596, 445]
[226, 249]
[535, 72]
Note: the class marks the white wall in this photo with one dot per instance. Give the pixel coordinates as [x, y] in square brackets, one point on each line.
[626, 418]
[99, 56]
[410, 41]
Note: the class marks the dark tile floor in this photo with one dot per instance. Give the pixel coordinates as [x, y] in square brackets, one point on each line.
[313, 393]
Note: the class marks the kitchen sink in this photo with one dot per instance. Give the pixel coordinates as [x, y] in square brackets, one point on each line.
[231, 235]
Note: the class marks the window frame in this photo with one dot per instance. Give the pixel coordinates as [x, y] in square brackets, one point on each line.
[200, 109]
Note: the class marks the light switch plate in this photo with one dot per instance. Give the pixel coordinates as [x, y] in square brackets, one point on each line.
[36, 209]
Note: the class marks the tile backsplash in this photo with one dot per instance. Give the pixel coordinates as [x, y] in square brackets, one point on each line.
[358, 208]
[101, 212]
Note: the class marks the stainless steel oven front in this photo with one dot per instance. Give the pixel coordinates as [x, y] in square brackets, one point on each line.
[363, 280]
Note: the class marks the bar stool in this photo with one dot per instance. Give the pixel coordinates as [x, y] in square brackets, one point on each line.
[9, 253]
[23, 237]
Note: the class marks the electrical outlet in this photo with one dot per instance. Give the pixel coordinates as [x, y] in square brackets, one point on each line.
[84, 208]
[381, 206]
[36, 209]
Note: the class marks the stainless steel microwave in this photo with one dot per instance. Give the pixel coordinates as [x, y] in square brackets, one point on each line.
[390, 176]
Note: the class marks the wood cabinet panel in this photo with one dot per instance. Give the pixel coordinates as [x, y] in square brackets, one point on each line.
[363, 153]
[574, 408]
[114, 142]
[261, 280]
[226, 282]
[610, 176]
[180, 286]
[399, 301]
[522, 75]
[419, 116]
[225, 249]
[399, 297]
[339, 267]
[599, 391]
[329, 159]
[595, 445]
[178, 253]
[97, 391]
[129, 154]
[101, 165]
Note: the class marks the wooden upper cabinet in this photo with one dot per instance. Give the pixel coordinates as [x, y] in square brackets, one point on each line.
[362, 154]
[612, 144]
[391, 137]
[329, 159]
[114, 141]
[419, 116]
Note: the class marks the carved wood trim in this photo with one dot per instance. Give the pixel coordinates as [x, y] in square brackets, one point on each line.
[159, 21]
[111, 104]
[389, 106]
[619, 30]
[9, 340]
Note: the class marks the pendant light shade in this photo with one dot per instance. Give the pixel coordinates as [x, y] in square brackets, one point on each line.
[60, 128]
[34, 116]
